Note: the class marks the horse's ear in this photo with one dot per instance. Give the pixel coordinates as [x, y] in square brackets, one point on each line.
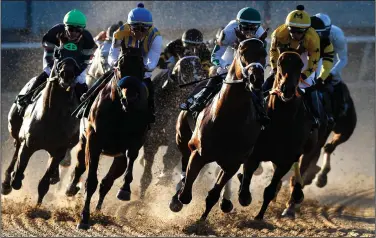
[264, 35]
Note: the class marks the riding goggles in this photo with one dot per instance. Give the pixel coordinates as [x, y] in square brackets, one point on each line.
[74, 29]
[297, 30]
[252, 28]
[139, 27]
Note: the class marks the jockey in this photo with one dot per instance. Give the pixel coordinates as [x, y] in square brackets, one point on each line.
[72, 29]
[247, 24]
[297, 34]
[191, 43]
[104, 41]
[338, 39]
[325, 64]
[139, 29]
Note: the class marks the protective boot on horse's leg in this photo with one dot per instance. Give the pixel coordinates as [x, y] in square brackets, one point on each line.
[150, 86]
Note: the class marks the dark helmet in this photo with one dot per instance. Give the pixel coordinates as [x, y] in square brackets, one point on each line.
[112, 29]
[192, 36]
[319, 27]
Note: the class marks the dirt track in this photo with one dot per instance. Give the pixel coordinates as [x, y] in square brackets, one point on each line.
[345, 207]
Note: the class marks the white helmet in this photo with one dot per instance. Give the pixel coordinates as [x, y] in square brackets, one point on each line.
[326, 19]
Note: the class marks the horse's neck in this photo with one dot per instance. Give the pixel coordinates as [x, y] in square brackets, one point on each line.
[290, 112]
[56, 100]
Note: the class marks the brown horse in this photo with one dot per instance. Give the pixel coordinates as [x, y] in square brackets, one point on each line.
[343, 129]
[46, 125]
[168, 95]
[117, 127]
[285, 139]
[227, 128]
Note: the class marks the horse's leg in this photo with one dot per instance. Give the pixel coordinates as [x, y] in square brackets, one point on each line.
[5, 186]
[124, 193]
[297, 195]
[214, 193]
[270, 190]
[92, 153]
[308, 167]
[63, 167]
[322, 176]
[249, 167]
[79, 169]
[117, 168]
[279, 186]
[147, 176]
[183, 135]
[226, 204]
[195, 164]
[44, 183]
[24, 155]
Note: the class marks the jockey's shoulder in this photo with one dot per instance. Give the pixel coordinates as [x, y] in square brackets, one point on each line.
[281, 32]
[311, 36]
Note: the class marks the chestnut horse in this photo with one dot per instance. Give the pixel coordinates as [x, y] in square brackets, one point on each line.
[227, 129]
[285, 139]
[117, 127]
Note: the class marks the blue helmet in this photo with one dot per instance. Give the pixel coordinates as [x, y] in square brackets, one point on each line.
[140, 15]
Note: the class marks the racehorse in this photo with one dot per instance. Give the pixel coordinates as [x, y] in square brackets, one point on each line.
[168, 94]
[226, 130]
[46, 123]
[285, 139]
[343, 129]
[117, 127]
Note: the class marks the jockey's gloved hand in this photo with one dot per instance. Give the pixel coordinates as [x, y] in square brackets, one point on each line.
[83, 97]
[329, 78]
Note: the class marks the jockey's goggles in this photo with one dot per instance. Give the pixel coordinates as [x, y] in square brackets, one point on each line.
[248, 27]
[74, 29]
[191, 45]
[139, 27]
[296, 30]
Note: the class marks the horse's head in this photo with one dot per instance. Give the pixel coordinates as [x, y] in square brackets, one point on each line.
[131, 63]
[249, 62]
[133, 93]
[66, 64]
[289, 66]
[188, 69]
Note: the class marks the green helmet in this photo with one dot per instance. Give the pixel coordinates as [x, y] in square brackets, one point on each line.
[248, 15]
[75, 18]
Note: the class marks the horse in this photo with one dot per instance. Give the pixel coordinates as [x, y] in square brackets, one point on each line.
[285, 139]
[342, 130]
[117, 127]
[46, 124]
[168, 94]
[226, 128]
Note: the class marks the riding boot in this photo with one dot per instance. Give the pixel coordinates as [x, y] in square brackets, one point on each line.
[340, 98]
[24, 100]
[80, 89]
[198, 101]
[263, 116]
[328, 108]
[309, 102]
[151, 106]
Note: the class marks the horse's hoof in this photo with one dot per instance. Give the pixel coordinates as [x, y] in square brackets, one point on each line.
[226, 206]
[245, 199]
[83, 226]
[72, 191]
[288, 213]
[322, 180]
[98, 208]
[5, 189]
[16, 184]
[124, 195]
[259, 217]
[185, 199]
[175, 204]
[54, 180]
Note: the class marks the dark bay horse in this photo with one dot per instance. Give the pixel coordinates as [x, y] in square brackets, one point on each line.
[117, 127]
[46, 125]
[342, 131]
[168, 95]
[227, 129]
[285, 139]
